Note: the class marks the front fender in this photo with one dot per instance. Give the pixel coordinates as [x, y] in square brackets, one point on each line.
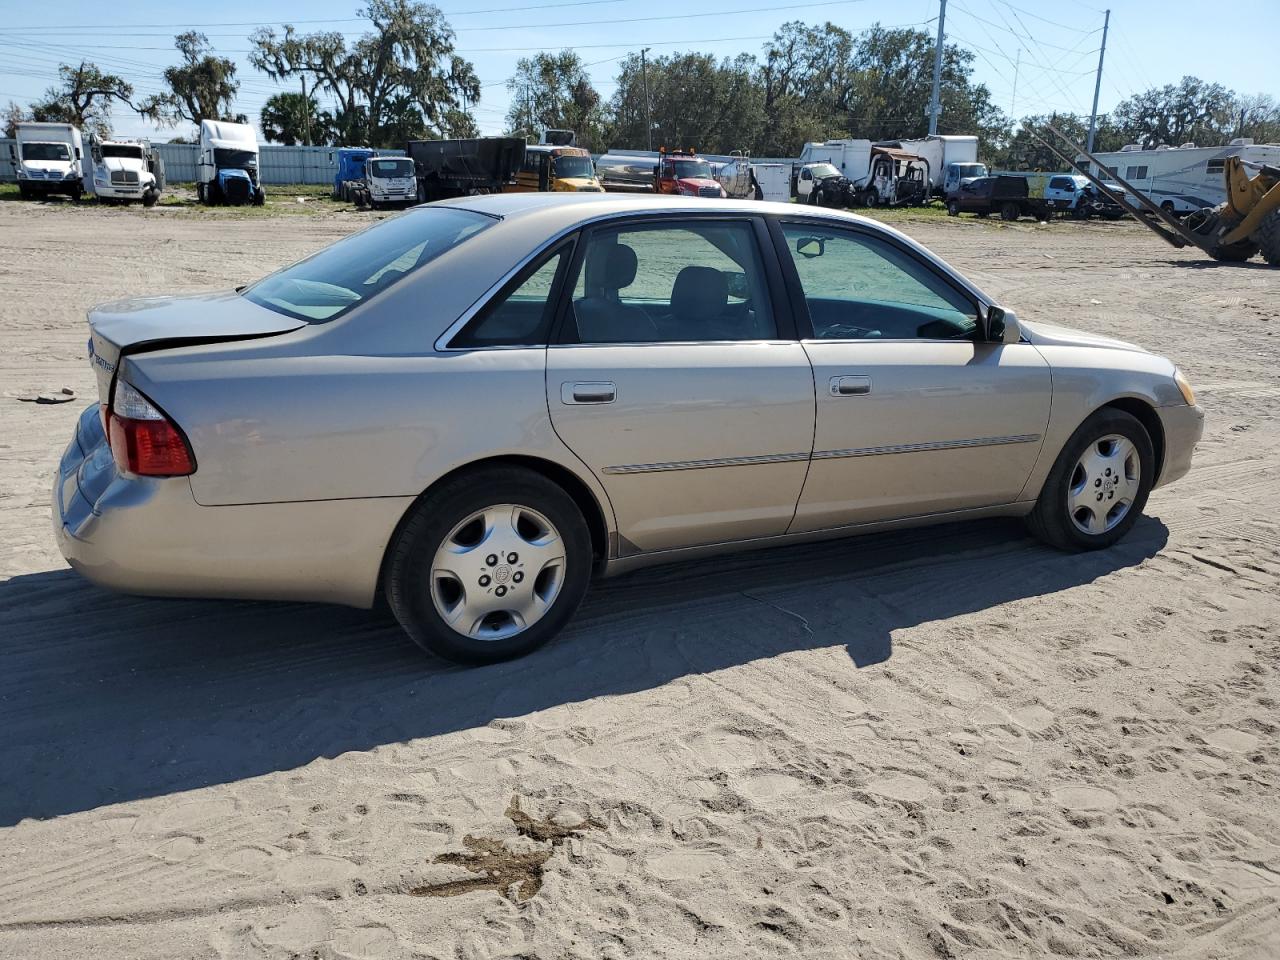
[1086, 379]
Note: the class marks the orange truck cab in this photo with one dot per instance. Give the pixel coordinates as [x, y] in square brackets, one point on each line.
[686, 174]
[549, 167]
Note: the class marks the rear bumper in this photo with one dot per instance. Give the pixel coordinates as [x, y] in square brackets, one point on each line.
[1183, 427]
[149, 536]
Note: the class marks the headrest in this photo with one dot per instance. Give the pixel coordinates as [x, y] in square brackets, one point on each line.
[619, 268]
[699, 293]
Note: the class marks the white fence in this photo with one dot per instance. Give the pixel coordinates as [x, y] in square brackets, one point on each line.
[278, 164]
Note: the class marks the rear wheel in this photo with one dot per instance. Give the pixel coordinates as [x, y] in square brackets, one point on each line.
[1010, 210]
[490, 566]
[1098, 485]
[1267, 237]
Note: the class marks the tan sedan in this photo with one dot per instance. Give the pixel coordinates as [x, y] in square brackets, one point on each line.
[476, 406]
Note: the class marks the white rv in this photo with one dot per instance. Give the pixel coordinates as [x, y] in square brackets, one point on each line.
[227, 164]
[1182, 179]
[124, 171]
[48, 159]
[953, 160]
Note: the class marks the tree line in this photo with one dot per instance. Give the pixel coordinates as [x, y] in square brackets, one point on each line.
[403, 79]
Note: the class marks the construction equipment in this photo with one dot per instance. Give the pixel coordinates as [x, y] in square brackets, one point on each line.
[1232, 232]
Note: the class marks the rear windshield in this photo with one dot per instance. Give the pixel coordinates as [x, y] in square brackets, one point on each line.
[331, 282]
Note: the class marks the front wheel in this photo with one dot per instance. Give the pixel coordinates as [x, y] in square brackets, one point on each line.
[490, 566]
[1267, 237]
[953, 208]
[1098, 485]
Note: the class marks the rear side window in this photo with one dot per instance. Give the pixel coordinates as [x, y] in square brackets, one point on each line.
[521, 316]
[351, 271]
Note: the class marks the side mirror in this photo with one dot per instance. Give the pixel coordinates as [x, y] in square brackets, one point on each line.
[736, 282]
[1002, 326]
[810, 247]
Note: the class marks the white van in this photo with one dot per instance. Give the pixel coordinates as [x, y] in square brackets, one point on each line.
[48, 159]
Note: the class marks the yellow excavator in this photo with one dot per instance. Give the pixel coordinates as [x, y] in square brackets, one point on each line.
[1233, 232]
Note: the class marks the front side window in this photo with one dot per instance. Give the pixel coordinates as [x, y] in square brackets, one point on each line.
[672, 282]
[349, 272]
[859, 287]
[522, 316]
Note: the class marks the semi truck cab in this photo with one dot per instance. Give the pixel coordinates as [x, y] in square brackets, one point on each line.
[125, 171]
[227, 165]
[687, 175]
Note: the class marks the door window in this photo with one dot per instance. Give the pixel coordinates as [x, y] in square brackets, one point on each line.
[859, 287]
[519, 317]
[671, 282]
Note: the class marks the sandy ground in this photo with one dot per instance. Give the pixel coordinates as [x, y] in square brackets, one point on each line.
[948, 743]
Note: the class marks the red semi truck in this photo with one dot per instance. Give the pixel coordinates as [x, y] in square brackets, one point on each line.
[682, 173]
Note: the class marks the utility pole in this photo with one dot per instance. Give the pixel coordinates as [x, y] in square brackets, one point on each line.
[648, 109]
[1097, 84]
[1016, 67]
[935, 107]
[306, 108]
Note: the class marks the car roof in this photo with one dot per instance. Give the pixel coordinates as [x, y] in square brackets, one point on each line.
[561, 211]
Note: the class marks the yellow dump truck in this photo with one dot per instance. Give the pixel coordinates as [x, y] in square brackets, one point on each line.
[550, 167]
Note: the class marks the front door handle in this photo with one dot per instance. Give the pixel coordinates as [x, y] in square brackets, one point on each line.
[601, 391]
[850, 386]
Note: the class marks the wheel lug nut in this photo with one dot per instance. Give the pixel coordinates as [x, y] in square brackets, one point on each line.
[491, 560]
[1108, 471]
[501, 591]
[512, 557]
[1098, 482]
[1099, 496]
[485, 581]
[517, 576]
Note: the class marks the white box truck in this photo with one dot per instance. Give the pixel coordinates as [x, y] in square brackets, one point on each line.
[953, 160]
[124, 171]
[1182, 179]
[48, 158]
[227, 164]
[872, 174]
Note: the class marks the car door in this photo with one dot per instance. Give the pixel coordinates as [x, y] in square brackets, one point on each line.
[677, 379]
[916, 413]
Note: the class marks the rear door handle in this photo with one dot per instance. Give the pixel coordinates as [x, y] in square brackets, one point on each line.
[601, 391]
[850, 386]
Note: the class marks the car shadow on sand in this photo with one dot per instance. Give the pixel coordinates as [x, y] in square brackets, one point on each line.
[106, 698]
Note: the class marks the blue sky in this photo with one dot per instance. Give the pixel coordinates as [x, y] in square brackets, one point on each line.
[1051, 46]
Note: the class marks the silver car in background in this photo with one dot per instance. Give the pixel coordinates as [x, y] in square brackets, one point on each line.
[476, 406]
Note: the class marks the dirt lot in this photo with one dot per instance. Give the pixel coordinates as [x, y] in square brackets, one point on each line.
[950, 743]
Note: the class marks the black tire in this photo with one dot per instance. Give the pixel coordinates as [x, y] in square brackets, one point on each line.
[259, 197]
[1267, 237]
[953, 208]
[150, 198]
[1236, 252]
[1010, 210]
[1050, 519]
[1169, 208]
[870, 198]
[201, 193]
[407, 581]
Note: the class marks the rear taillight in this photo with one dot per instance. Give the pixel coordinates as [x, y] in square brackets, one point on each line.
[143, 440]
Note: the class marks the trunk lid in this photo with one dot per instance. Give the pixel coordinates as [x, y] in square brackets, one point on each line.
[158, 323]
